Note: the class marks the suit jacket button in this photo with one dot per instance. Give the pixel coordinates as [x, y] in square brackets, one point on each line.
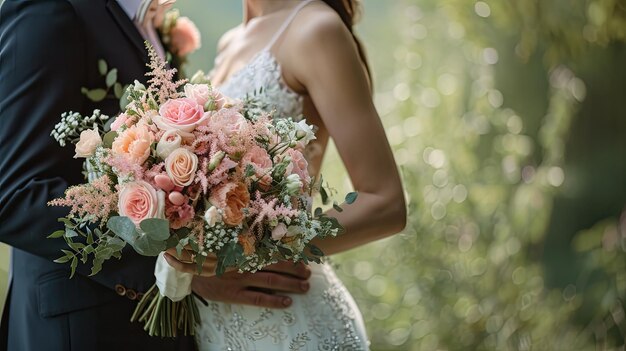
[131, 294]
[139, 296]
[120, 289]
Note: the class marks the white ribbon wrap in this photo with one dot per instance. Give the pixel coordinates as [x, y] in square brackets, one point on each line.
[171, 283]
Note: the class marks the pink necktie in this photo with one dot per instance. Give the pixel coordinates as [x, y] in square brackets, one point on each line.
[150, 16]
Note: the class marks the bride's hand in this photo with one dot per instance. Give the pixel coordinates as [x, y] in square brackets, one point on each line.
[186, 264]
[266, 288]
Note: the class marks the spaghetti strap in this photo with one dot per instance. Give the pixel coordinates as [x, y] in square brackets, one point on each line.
[286, 24]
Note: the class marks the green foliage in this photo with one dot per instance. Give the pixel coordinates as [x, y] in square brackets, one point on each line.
[482, 179]
[110, 80]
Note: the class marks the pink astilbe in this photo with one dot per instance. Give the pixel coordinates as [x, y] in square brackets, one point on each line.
[162, 85]
[266, 210]
[201, 177]
[125, 167]
[155, 170]
[95, 200]
[221, 172]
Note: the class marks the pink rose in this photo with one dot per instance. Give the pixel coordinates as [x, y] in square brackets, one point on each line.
[185, 37]
[89, 141]
[121, 120]
[134, 143]
[229, 122]
[139, 200]
[200, 93]
[181, 166]
[231, 198]
[182, 114]
[299, 166]
[262, 163]
[259, 158]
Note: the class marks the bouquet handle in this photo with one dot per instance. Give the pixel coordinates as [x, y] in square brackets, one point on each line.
[165, 318]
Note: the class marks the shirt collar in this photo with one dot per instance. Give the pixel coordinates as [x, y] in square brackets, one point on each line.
[131, 7]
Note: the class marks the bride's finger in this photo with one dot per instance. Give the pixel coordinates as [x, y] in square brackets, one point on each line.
[276, 282]
[299, 270]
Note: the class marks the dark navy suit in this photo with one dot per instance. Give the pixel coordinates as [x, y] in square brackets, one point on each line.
[49, 49]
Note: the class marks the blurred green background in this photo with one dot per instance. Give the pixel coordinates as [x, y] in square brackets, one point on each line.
[507, 120]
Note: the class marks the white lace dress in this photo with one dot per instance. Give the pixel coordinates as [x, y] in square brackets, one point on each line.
[326, 318]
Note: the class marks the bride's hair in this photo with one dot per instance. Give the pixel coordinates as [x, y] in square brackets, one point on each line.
[349, 11]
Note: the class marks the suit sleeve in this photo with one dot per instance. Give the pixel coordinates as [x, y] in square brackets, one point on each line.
[42, 69]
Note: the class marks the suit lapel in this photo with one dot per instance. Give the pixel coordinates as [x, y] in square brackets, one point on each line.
[128, 27]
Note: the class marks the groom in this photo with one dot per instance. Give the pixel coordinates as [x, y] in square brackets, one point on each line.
[49, 51]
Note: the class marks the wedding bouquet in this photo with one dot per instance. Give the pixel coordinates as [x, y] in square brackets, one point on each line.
[185, 167]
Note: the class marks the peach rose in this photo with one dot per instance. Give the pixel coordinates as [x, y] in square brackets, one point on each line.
[134, 143]
[298, 166]
[185, 37]
[182, 114]
[231, 198]
[200, 93]
[181, 166]
[89, 141]
[139, 200]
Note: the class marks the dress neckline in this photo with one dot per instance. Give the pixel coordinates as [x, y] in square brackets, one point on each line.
[266, 52]
[267, 49]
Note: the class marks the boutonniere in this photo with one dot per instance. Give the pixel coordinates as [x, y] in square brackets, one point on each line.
[180, 37]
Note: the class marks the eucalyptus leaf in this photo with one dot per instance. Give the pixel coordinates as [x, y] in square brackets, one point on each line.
[318, 212]
[96, 95]
[148, 247]
[124, 99]
[118, 90]
[124, 228]
[107, 140]
[155, 228]
[316, 250]
[351, 197]
[102, 67]
[111, 78]
[337, 207]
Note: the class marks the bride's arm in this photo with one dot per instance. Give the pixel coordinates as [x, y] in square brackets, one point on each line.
[326, 62]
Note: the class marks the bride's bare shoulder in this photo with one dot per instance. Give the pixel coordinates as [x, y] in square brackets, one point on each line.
[317, 23]
[228, 37]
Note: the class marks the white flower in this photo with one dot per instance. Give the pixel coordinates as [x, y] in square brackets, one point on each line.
[293, 230]
[89, 140]
[304, 132]
[212, 216]
[279, 231]
[294, 184]
[169, 142]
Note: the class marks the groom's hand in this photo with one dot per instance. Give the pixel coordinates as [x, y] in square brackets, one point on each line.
[265, 288]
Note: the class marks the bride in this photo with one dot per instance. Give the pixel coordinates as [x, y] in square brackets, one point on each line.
[308, 63]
